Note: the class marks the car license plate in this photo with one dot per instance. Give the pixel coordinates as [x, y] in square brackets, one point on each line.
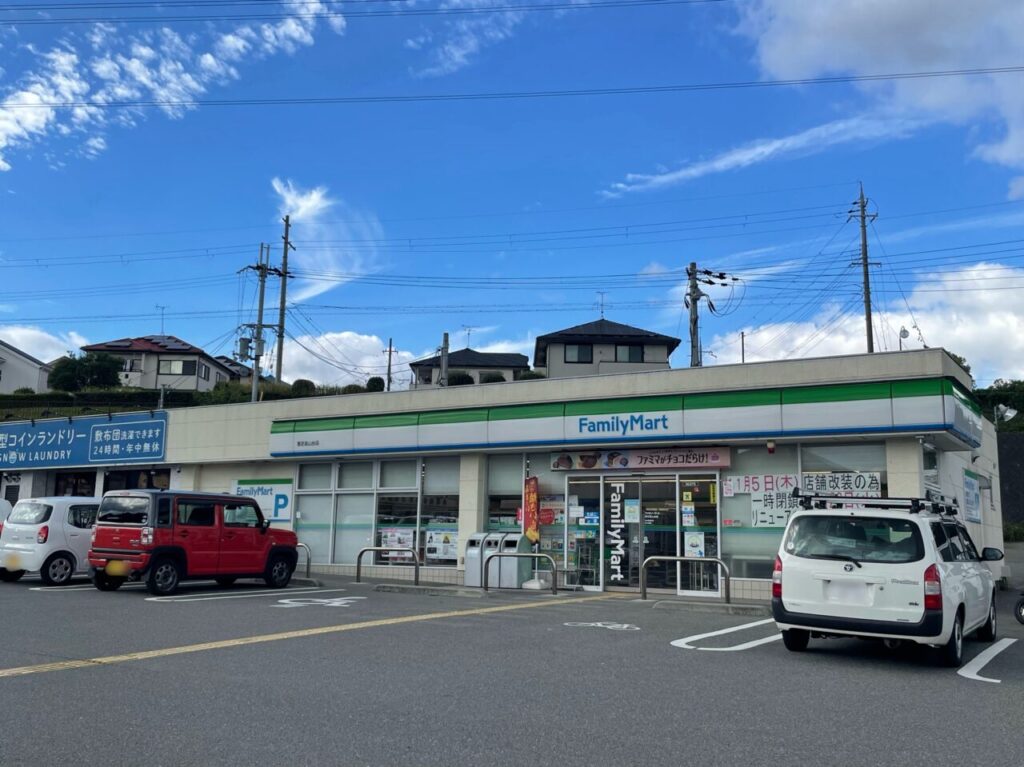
[847, 592]
[117, 568]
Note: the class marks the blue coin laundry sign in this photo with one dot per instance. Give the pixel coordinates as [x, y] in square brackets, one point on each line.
[124, 438]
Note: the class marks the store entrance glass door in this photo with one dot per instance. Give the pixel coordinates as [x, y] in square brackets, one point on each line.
[639, 522]
[698, 536]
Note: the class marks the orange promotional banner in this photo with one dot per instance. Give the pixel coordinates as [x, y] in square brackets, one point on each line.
[531, 509]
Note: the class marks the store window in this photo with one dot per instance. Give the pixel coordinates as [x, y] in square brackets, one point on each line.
[313, 524]
[439, 513]
[551, 492]
[396, 527]
[355, 476]
[353, 527]
[581, 353]
[315, 476]
[398, 473]
[504, 492]
[81, 484]
[844, 469]
[629, 353]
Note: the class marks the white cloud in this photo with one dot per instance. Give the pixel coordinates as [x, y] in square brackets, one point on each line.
[465, 37]
[1016, 191]
[853, 130]
[339, 239]
[40, 344]
[985, 326]
[797, 39]
[524, 345]
[350, 358]
[107, 66]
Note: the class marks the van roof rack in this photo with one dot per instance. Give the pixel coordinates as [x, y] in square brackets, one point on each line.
[912, 505]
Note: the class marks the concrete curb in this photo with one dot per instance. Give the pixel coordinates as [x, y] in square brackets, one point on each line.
[714, 607]
[433, 591]
[305, 582]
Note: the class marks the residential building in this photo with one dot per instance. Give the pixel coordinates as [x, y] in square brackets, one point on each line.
[164, 362]
[239, 373]
[19, 370]
[477, 364]
[599, 348]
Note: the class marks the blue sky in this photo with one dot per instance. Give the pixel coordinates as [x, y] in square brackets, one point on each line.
[511, 215]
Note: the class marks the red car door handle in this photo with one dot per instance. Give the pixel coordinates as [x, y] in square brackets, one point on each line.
[183, 534]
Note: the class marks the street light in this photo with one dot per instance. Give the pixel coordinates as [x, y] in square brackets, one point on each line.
[1004, 413]
[904, 333]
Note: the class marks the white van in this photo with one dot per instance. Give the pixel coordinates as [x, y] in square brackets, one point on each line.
[896, 569]
[50, 536]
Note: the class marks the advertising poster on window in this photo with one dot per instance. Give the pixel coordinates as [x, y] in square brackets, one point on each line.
[972, 496]
[531, 509]
[397, 537]
[655, 458]
[772, 499]
[631, 511]
[693, 545]
[442, 546]
[865, 483]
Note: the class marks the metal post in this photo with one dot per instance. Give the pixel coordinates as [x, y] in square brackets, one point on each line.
[309, 558]
[719, 562]
[415, 560]
[554, 567]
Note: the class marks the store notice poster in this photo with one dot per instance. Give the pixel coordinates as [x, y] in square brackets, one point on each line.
[693, 545]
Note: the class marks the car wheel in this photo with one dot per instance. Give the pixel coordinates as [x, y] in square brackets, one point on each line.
[225, 581]
[952, 653]
[10, 576]
[57, 570]
[164, 577]
[796, 640]
[279, 572]
[987, 633]
[1018, 610]
[105, 582]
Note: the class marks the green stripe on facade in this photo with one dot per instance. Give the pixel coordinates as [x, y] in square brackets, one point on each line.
[514, 412]
[282, 427]
[324, 424]
[966, 399]
[440, 417]
[732, 399]
[264, 481]
[627, 405]
[836, 393]
[916, 388]
[383, 421]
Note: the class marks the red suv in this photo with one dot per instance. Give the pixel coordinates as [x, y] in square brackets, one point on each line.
[166, 537]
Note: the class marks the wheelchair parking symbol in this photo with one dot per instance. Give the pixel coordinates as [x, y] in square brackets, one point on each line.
[310, 602]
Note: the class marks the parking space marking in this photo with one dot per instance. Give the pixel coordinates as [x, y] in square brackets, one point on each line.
[613, 626]
[283, 635]
[207, 597]
[334, 602]
[978, 663]
[686, 642]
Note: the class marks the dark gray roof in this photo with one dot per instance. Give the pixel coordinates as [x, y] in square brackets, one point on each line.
[603, 331]
[469, 358]
[22, 354]
[236, 367]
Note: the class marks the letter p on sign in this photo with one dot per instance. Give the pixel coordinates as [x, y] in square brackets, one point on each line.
[280, 506]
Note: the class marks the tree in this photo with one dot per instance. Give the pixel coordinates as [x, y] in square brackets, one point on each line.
[352, 389]
[375, 383]
[303, 387]
[459, 378]
[492, 377]
[530, 375]
[961, 362]
[97, 371]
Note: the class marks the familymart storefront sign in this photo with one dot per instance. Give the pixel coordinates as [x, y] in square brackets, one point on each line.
[927, 405]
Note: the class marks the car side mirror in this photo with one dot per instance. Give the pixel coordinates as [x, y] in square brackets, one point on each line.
[989, 554]
[265, 525]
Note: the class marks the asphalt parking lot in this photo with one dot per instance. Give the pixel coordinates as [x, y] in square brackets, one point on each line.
[345, 675]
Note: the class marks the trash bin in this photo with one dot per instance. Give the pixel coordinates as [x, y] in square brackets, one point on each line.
[474, 549]
[515, 571]
[492, 545]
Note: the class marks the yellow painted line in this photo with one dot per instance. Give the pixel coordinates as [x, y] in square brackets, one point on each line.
[111, 660]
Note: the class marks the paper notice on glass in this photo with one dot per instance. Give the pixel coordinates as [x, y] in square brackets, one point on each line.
[689, 520]
[727, 491]
[693, 544]
[631, 508]
[575, 512]
[688, 508]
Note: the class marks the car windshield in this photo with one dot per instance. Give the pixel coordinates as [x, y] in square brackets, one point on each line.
[123, 510]
[860, 539]
[30, 513]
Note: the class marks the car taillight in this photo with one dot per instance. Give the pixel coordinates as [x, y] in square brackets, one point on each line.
[777, 579]
[932, 589]
[1, 528]
[147, 536]
[92, 535]
[43, 534]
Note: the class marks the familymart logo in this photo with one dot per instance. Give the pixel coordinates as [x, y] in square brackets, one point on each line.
[623, 425]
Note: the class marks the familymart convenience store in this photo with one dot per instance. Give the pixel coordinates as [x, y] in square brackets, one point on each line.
[617, 479]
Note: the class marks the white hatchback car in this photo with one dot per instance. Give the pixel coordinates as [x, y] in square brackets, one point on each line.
[893, 569]
[50, 536]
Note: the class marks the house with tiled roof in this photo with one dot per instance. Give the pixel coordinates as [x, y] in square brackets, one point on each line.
[601, 347]
[164, 362]
[480, 366]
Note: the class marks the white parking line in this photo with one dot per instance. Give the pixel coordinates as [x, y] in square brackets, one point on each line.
[203, 597]
[971, 669]
[686, 642]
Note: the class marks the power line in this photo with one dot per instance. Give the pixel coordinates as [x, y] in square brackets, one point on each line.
[524, 94]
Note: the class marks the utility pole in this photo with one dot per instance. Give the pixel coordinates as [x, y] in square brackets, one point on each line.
[694, 295]
[861, 212]
[743, 347]
[261, 269]
[284, 292]
[161, 307]
[602, 294]
[442, 379]
[389, 352]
